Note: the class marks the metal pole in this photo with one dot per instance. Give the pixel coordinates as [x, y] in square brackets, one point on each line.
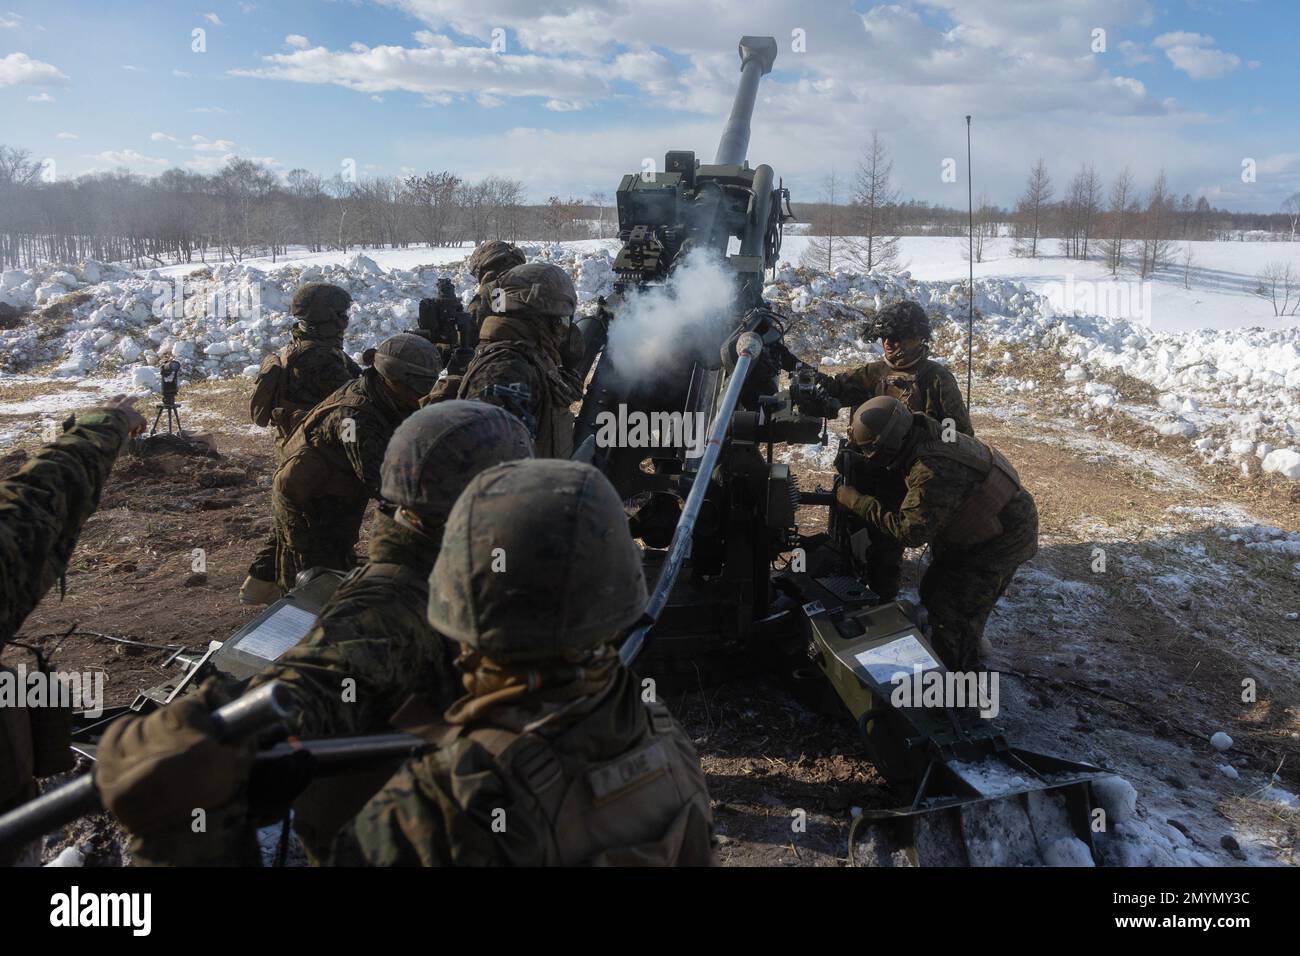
[747, 349]
[970, 255]
[67, 802]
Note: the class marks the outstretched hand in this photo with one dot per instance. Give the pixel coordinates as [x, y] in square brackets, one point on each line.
[136, 423]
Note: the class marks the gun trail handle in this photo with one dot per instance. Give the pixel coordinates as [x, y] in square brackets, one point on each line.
[65, 803]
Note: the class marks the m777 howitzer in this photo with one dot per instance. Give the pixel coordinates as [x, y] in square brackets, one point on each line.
[715, 524]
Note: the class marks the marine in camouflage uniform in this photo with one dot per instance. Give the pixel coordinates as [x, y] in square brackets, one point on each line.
[963, 499]
[908, 374]
[312, 366]
[520, 360]
[374, 632]
[486, 263]
[552, 757]
[42, 510]
[331, 465]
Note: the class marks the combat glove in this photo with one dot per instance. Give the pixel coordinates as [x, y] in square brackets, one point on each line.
[153, 772]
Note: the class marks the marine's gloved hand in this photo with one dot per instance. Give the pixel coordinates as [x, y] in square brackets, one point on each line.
[153, 772]
[826, 381]
[851, 499]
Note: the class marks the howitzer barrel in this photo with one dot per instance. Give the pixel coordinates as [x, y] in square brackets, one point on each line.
[747, 349]
[247, 715]
[757, 54]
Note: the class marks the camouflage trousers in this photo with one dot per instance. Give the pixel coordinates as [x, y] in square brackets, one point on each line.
[961, 587]
[883, 561]
[264, 564]
[320, 534]
[263, 567]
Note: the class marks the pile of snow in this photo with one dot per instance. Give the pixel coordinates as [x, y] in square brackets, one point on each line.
[1234, 394]
[1231, 393]
[222, 319]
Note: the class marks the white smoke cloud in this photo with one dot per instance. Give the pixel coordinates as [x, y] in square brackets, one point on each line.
[685, 313]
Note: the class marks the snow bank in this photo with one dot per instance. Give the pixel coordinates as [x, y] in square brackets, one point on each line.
[1229, 393]
[1233, 394]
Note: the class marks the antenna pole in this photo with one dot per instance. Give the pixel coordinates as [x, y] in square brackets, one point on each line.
[970, 256]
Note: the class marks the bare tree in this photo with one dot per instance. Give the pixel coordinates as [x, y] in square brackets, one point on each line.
[433, 197]
[874, 246]
[1123, 208]
[1031, 211]
[1082, 204]
[1291, 206]
[559, 214]
[827, 241]
[1156, 226]
[1279, 284]
[600, 200]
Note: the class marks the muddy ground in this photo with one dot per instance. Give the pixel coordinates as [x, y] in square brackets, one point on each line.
[1133, 667]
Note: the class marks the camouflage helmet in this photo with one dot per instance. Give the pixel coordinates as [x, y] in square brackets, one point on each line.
[434, 453]
[320, 302]
[409, 359]
[493, 257]
[536, 561]
[536, 288]
[879, 427]
[904, 319]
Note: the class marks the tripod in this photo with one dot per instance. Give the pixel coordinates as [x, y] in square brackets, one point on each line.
[173, 413]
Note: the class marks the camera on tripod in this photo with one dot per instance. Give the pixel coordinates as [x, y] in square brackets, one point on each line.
[169, 374]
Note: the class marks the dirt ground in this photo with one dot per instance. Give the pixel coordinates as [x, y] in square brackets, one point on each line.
[1132, 668]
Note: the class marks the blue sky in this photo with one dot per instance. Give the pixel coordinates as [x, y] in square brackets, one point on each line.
[584, 90]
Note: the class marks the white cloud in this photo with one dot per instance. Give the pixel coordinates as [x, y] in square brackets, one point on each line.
[1195, 55]
[201, 144]
[130, 158]
[10, 21]
[182, 74]
[213, 19]
[297, 41]
[210, 109]
[132, 69]
[162, 137]
[1131, 85]
[1134, 53]
[19, 68]
[40, 98]
[66, 136]
[910, 69]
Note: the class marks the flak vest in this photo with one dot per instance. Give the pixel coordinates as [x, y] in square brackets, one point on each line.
[646, 807]
[977, 521]
[311, 469]
[554, 437]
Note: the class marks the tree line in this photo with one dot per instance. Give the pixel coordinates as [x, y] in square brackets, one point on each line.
[861, 217]
[246, 209]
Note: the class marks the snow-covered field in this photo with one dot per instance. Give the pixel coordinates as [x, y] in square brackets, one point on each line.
[1226, 372]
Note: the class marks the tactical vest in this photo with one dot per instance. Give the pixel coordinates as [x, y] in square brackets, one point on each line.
[908, 386]
[647, 807]
[977, 520]
[554, 420]
[313, 468]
